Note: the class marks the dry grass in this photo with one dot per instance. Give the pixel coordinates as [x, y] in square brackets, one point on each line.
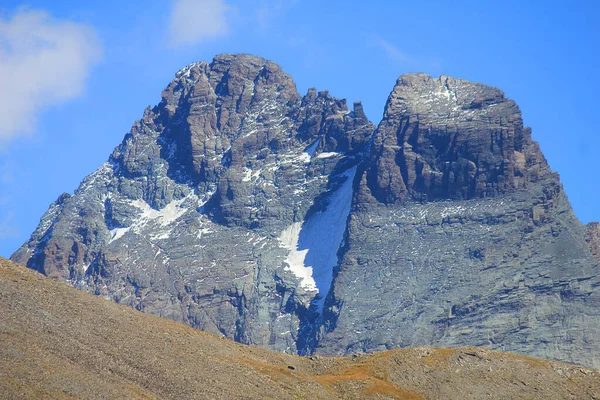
[363, 375]
[60, 343]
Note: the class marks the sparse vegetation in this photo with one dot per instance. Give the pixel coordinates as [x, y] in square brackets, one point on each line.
[59, 343]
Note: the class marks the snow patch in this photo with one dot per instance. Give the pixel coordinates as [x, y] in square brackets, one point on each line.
[247, 175]
[314, 244]
[295, 259]
[452, 210]
[117, 233]
[164, 216]
[304, 157]
[327, 155]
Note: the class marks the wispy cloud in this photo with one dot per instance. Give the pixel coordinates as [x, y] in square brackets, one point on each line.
[7, 229]
[7, 178]
[268, 10]
[43, 62]
[389, 49]
[194, 21]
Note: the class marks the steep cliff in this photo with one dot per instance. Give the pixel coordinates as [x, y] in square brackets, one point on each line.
[460, 233]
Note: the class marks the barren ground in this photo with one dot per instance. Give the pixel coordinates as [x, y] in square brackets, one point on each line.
[59, 343]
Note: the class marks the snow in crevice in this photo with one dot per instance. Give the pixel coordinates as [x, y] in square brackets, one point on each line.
[185, 71]
[314, 244]
[442, 99]
[226, 158]
[117, 233]
[310, 150]
[48, 219]
[267, 109]
[99, 177]
[444, 92]
[328, 154]
[160, 222]
[296, 258]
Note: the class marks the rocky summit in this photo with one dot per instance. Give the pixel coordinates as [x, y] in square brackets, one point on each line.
[240, 207]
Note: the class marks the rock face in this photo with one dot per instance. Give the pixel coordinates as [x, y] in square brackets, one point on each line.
[450, 139]
[197, 215]
[460, 233]
[240, 207]
[593, 239]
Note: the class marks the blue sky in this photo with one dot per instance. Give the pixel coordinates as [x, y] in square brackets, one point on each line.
[75, 75]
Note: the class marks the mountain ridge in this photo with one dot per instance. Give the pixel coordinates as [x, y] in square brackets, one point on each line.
[240, 207]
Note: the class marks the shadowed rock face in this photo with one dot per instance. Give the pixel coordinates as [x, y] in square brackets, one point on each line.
[238, 206]
[448, 138]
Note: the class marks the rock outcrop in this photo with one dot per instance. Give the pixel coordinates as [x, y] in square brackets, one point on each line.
[450, 139]
[240, 207]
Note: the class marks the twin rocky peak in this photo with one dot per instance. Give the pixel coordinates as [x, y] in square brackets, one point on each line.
[240, 207]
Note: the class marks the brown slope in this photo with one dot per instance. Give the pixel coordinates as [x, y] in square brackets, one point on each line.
[58, 342]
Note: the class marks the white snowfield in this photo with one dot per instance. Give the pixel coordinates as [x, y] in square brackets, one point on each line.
[314, 245]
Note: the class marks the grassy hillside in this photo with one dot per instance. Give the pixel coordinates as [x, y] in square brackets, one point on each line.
[59, 343]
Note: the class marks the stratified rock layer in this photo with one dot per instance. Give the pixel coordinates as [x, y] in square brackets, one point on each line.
[240, 207]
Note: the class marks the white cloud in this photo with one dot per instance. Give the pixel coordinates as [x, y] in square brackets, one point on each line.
[389, 49]
[193, 21]
[43, 62]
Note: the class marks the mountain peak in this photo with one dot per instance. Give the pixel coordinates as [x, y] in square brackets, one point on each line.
[243, 208]
[449, 97]
[450, 138]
